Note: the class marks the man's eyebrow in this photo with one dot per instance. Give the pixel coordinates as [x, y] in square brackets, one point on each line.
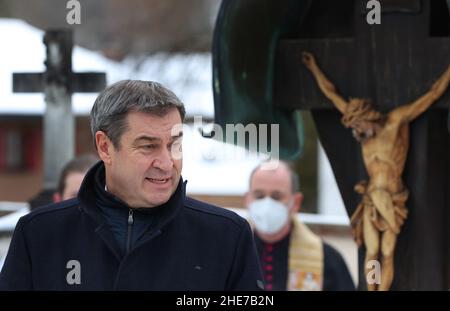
[151, 139]
[258, 191]
[147, 138]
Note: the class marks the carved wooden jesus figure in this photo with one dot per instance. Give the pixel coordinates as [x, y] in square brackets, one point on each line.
[384, 139]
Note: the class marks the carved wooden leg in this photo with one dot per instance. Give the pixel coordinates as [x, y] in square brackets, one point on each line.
[388, 241]
[372, 244]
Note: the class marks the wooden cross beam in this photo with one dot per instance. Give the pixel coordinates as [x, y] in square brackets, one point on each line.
[387, 62]
[58, 83]
[392, 64]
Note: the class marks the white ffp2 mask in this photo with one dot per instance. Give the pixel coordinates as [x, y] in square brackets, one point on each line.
[268, 215]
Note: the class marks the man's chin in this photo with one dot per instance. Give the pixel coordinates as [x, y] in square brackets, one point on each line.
[159, 195]
[158, 198]
[157, 201]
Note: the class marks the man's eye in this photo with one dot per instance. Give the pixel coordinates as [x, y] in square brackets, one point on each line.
[276, 197]
[148, 147]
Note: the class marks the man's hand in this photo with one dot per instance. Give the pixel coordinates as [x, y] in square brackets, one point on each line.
[441, 84]
[324, 84]
[309, 60]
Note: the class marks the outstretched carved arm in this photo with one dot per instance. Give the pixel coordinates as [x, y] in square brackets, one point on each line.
[411, 111]
[324, 84]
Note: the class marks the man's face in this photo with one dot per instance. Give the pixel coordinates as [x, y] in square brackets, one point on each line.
[363, 130]
[144, 172]
[72, 185]
[274, 183]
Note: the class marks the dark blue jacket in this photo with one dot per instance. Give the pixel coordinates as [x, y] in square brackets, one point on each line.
[193, 246]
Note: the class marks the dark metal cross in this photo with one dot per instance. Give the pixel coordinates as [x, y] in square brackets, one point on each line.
[393, 63]
[58, 83]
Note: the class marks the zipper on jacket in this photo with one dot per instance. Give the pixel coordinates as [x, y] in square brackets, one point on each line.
[130, 228]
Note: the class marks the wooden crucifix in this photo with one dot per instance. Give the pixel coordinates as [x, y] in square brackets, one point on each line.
[392, 63]
[58, 83]
[384, 142]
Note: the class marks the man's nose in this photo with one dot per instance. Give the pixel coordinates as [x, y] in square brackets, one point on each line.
[164, 161]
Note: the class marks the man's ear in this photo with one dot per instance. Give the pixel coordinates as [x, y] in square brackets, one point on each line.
[247, 199]
[57, 197]
[298, 200]
[104, 146]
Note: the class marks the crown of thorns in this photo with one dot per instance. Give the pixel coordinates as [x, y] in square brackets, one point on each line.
[361, 110]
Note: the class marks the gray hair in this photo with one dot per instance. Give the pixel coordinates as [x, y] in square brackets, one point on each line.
[295, 179]
[114, 103]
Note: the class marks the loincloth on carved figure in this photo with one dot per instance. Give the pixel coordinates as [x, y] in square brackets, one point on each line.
[386, 210]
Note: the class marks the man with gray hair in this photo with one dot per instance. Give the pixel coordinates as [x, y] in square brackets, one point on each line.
[131, 226]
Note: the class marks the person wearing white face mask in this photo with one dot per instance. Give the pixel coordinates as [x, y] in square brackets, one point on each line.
[292, 256]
